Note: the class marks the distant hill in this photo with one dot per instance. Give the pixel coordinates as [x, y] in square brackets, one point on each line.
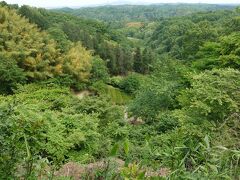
[129, 13]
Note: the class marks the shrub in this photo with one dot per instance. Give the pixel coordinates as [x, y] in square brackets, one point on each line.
[115, 81]
[130, 84]
[99, 70]
[10, 74]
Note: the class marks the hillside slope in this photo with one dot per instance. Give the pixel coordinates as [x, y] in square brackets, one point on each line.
[143, 13]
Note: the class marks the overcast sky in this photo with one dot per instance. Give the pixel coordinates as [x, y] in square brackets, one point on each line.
[72, 3]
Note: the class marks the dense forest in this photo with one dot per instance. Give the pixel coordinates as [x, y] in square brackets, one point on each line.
[143, 13]
[120, 92]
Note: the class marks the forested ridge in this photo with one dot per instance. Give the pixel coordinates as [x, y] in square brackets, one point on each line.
[85, 94]
[129, 13]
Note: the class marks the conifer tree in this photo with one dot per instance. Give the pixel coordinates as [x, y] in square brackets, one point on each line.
[120, 61]
[138, 64]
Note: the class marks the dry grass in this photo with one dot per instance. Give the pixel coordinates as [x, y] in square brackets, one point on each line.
[76, 171]
[135, 24]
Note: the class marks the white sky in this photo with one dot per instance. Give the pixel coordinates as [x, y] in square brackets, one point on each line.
[67, 3]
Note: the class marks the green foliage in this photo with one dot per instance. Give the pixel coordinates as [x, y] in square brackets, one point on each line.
[115, 81]
[77, 63]
[133, 171]
[183, 37]
[105, 42]
[60, 37]
[10, 74]
[34, 16]
[137, 61]
[128, 13]
[116, 95]
[213, 95]
[32, 50]
[34, 115]
[230, 51]
[143, 61]
[159, 92]
[166, 122]
[130, 84]
[219, 54]
[37, 55]
[178, 118]
[99, 70]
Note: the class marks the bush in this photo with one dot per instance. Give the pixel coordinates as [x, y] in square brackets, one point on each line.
[130, 84]
[166, 122]
[115, 81]
[213, 95]
[10, 74]
[99, 70]
[41, 121]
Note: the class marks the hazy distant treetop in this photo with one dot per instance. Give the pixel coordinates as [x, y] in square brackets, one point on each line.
[141, 12]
